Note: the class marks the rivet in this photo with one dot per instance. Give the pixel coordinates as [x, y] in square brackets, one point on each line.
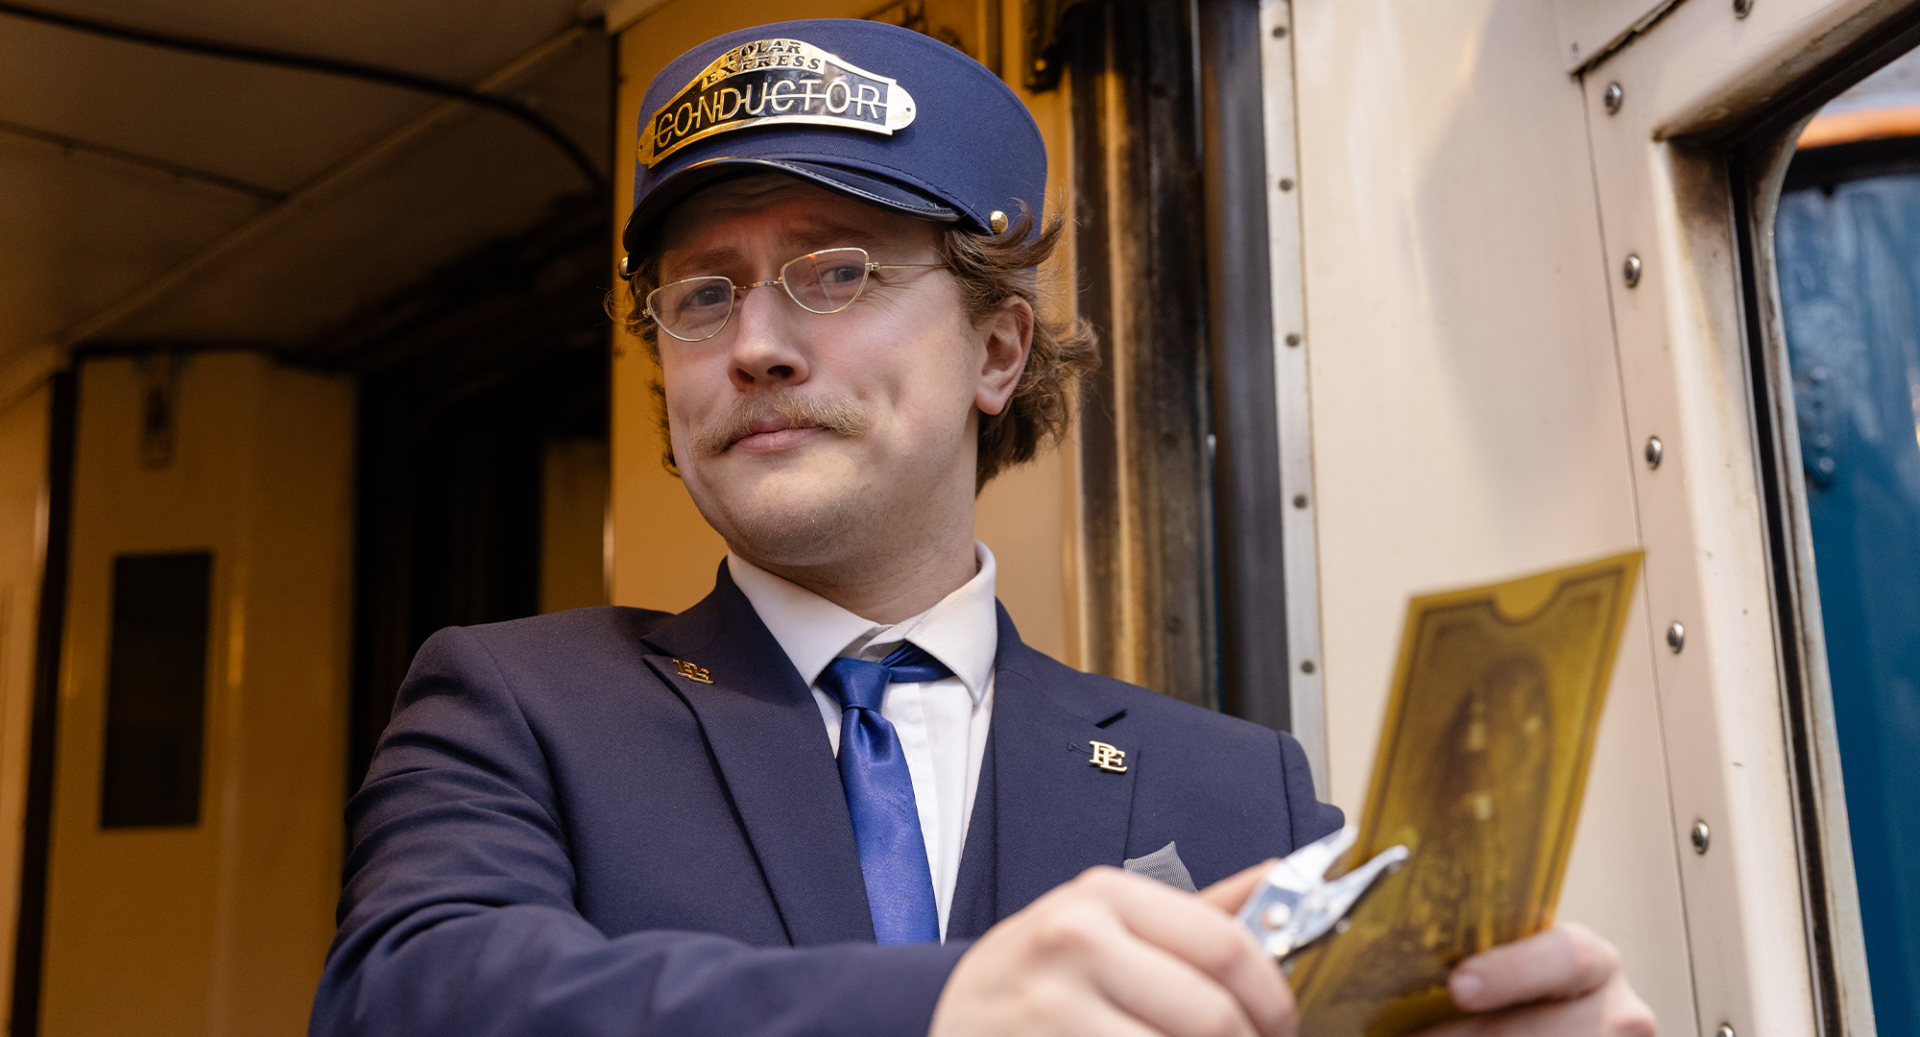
[1612, 97]
[997, 220]
[1293, 339]
[1741, 8]
[1286, 183]
[1279, 32]
[1702, 838]
[1306, 666]
[1655, 451]
[1725, 1030]
[626, 268]
[1299, 500]
[1630, 271]
[1676, 637]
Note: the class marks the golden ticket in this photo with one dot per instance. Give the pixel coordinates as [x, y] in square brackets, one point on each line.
[1482, 760]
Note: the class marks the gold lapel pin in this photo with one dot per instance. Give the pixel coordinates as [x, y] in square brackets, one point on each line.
[1108, 758]
[692, 672]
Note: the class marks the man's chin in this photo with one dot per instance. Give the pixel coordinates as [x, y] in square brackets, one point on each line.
[798, 538]
[791, 517]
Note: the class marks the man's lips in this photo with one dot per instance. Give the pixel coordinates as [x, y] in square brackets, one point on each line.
[774, 434]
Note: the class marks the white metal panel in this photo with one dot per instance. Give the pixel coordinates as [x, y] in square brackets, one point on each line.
[1466, 415]
[1684, 371]
[1306, 692]
[1590, 29]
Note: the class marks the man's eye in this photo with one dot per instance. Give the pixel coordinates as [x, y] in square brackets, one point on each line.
[706, 296]
[842, 273]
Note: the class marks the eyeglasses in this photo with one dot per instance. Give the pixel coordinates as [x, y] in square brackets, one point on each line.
[698, 308]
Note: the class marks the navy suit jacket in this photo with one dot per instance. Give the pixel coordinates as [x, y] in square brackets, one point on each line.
[562, 834]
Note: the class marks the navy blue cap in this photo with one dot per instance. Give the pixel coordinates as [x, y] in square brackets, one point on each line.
[878, 113]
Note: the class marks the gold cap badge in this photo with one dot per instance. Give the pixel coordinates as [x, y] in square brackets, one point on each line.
[769, 82]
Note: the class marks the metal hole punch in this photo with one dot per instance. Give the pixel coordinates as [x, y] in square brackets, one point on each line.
[1296, 904]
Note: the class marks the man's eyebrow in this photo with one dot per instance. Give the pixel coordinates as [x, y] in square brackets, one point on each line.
[812, 239]
[709, 259]
[819, 237]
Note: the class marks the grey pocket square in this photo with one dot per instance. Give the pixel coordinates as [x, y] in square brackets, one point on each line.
[1163, 864]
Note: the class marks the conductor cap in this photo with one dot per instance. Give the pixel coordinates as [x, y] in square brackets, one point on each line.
[878, 113]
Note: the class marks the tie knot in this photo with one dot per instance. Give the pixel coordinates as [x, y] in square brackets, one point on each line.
[860, 684]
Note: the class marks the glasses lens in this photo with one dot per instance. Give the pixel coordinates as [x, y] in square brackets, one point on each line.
[693, 309]
[826, 282]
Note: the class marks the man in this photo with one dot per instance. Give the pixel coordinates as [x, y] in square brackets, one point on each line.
[838, 796]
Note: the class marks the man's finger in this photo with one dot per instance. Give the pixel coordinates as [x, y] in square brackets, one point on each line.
[1566, 961]
[1199, 933]
[1103, 1019]
[1169, 995]
[1230, 894]
[1613, 1011]
[1582, 1016]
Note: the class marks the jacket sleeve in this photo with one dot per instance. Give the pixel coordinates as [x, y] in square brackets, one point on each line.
[458, 916]
[1311, 819]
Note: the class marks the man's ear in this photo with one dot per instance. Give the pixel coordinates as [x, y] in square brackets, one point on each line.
[1009, 342]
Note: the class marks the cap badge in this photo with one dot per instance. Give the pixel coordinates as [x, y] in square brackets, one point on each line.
[769, 82]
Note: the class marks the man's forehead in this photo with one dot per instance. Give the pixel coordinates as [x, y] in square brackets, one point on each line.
[780, 209]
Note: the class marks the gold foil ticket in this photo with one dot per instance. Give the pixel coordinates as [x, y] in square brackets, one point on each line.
[1482, 760]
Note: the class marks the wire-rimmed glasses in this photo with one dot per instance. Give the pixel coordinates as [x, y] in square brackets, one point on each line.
[697, 308]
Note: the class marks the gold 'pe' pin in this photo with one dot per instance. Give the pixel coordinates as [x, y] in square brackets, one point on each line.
[1109, 758]
[692, 672]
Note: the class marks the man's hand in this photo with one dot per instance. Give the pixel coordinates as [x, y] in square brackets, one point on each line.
[1565, 980]
[1119, 955]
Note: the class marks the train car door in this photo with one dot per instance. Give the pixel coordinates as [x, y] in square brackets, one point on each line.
[195, 841]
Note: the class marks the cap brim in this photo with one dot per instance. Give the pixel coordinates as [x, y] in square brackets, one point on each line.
[856, 184]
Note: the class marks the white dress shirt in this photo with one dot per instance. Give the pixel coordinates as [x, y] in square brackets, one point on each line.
[942, 724]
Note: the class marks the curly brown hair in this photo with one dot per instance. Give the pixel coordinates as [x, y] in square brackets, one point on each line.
[990, 270]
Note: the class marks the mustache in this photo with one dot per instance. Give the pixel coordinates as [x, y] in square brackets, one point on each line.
[840, 416]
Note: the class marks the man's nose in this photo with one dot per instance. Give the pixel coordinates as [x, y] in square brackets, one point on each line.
[766, 346]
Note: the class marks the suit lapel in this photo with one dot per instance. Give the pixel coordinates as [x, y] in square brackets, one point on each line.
[1055, 814]
[772, 751]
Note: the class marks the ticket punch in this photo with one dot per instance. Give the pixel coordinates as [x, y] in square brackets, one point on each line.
[1296, 904]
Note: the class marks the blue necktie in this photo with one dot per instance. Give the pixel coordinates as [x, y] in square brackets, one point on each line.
[873, 768]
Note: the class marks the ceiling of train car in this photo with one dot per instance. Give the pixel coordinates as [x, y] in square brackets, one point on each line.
[150, 196]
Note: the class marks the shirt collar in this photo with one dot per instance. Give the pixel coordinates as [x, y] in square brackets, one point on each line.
[962, 630]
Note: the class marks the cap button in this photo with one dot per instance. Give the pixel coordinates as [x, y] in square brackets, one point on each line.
[998, 221]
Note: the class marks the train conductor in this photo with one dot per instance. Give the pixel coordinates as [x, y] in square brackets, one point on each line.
[839, 795]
